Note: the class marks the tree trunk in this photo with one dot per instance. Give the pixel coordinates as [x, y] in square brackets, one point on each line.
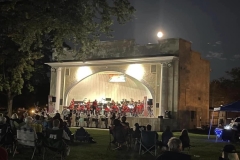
[10, 102]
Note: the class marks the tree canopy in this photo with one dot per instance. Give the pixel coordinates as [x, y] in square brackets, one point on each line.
[26, 26]
[78, 21]
[225, 89]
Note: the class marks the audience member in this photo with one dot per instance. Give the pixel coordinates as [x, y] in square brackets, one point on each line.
[82, 132]
[185, 139]
[174, 152]
[56, 124]
[28, 125]
[58, 116]
[229, 153]
[149, 128]
[3, 154]
[124, 123]
[136, 132]
[67, 130]
[166, 135]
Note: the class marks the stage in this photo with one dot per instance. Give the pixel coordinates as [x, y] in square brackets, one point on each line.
[156, 123]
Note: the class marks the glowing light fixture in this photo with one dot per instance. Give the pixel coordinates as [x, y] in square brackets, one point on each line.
[83, 72]
[135, 71]
[160, 34]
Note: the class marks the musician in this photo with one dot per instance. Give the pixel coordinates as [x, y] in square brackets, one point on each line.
[96, 120]
[88, 120]
[125, 108]
[106, 120]
[88, 106]
[94, 106]
[106, 110]
[135, 110]
[114, 108]
[77, 118]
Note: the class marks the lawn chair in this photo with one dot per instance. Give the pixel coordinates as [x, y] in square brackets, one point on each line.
[148, 143]
[53, 141]
[27, 138]
[121, 137]
[7, 139]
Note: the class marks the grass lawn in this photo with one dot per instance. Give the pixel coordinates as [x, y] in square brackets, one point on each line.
[204, 148]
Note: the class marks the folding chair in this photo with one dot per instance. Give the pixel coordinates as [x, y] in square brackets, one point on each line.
[148, 142]
[53, 141]
[26, 137]
[121, 135]
[6, 137]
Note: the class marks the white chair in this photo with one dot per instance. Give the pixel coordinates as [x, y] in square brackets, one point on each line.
[26, 138]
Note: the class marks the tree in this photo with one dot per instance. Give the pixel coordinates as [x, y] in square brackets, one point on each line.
[78, 21]
[25, 25]
[226, 89]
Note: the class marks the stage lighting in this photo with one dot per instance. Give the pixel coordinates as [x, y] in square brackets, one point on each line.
[83, 72]
[135, 71]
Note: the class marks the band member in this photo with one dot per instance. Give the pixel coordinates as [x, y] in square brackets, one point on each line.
[88, 107]
[135, 110]
[77, 118]
[114, 108]
[125, 108]
[94, 106]
[71, 106]
[106, 110]
[88, 120]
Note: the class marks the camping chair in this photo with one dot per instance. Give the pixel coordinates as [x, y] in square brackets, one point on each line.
[26, 137]
[6, 137]
[121, 135]
[148, 142]
[53, 141]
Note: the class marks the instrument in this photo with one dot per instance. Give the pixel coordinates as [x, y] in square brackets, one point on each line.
[65, 112]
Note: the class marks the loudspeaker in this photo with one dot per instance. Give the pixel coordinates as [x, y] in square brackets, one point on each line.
[53, 99]
[150, 102]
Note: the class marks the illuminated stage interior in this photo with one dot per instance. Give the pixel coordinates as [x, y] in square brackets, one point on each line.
[100, 86]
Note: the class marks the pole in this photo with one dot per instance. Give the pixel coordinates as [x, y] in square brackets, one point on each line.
[210, 125]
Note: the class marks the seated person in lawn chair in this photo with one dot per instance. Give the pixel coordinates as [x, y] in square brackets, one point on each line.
[67, 130]
[174, 151]
[166, 135]
[185, 139]
[7, 139]
[82, 135]
[119, 133]
[158, 143]
[55, 139]
[229, 153]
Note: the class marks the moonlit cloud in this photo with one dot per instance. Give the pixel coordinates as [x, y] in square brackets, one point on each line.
[216, 55]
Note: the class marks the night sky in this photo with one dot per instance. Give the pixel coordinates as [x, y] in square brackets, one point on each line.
[211, 25]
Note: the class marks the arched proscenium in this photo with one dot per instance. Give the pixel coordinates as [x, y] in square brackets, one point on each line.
[104, 70]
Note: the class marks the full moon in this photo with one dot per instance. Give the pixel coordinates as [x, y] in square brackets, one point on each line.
[159, 34]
